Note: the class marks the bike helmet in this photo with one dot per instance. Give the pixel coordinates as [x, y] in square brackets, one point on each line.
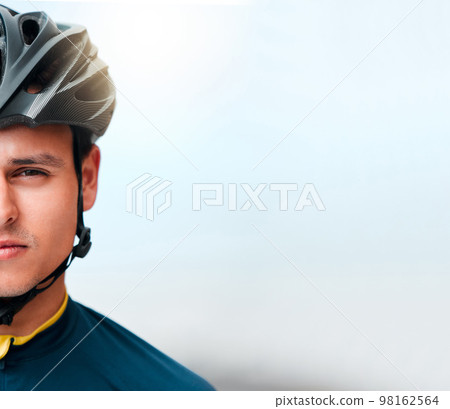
[50, 74]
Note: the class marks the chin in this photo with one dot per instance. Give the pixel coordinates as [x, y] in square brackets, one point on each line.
[11, 287]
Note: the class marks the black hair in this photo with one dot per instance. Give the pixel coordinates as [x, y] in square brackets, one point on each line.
[84, 140]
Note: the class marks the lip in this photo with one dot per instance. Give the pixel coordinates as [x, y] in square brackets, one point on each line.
[10, 249]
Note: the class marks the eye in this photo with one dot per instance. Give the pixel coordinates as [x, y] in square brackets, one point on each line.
[31, 173]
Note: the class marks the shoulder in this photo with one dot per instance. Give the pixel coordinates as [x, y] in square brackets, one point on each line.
[131, 362]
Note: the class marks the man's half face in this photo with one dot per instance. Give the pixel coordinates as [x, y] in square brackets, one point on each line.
[38, 204]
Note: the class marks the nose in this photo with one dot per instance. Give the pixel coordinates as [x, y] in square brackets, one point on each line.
[8, 208]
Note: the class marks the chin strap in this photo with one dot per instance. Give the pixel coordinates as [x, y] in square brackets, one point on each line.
[12, 305]
[83, 232]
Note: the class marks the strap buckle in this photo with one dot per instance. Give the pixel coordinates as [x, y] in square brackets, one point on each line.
[84, 244]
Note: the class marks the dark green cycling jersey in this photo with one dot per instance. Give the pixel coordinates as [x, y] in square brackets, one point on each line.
[72, 355]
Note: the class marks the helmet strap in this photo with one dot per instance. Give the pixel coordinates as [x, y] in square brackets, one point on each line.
[83, 232]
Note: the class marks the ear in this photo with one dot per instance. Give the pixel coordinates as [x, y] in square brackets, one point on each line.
[89, 169]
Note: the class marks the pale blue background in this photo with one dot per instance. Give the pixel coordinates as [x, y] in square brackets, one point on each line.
[225, 83]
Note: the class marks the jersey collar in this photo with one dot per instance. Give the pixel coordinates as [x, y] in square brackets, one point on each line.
[7, 340]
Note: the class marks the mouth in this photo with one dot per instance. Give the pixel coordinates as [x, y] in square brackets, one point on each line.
[10, 249]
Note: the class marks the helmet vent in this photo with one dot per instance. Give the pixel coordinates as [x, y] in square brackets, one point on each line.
[42, 76]
[30, 30]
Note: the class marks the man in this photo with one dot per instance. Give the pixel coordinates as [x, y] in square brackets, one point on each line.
[56, 98]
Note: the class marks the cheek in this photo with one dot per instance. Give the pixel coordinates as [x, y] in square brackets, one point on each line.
[61, 215]
[50, 215]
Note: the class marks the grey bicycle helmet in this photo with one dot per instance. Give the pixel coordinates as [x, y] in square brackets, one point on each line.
[76, 89]
[50, 74]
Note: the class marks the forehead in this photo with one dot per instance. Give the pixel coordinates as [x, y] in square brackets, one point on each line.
[20, 141]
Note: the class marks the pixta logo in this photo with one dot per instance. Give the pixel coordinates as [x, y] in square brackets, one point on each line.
[143, 194]
[146, 197]
[212, 194]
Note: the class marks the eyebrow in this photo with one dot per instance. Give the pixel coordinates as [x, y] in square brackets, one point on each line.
[46, 159]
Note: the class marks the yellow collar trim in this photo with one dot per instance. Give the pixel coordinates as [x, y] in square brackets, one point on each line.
[5, 340]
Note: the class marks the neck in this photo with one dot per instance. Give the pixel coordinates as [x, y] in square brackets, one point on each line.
[39, 310]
